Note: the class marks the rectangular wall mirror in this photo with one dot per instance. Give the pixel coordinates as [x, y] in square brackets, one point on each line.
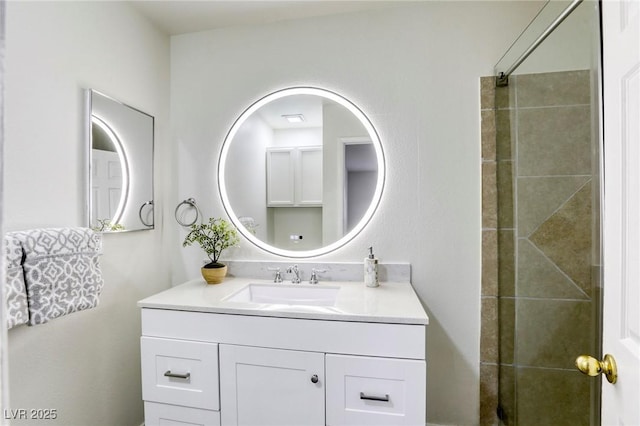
[120, 145]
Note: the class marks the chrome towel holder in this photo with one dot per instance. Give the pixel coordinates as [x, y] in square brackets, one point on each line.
[189, 202]
[148, 203]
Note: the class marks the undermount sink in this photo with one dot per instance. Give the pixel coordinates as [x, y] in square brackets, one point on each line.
[285, 294]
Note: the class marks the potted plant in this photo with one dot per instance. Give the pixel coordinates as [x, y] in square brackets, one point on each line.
[213, 237]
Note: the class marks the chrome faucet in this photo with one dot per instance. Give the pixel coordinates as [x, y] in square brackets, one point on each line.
[314, 275]
[277, 278]
[296, 274]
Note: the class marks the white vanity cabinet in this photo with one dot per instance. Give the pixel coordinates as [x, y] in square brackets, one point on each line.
[294, 177]
[208, 362]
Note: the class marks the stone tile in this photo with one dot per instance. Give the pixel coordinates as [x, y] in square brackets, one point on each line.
[505, 194]
[505, 97]
[554, 141]
[539, 198]
[488, 134]
[552, 397]
[554, 88]
[487, 92]
[507, 321]
[489, 196]
[489, 263]
[489, 332]
[507, 392]
[504, 134]
[552, 333]
[489, 376]
[541, 278]
[565, 238]
[506, 263]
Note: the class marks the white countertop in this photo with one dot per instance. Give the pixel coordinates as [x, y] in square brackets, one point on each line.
[391, 302]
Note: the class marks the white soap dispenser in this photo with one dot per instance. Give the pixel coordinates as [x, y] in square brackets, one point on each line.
[371, 270]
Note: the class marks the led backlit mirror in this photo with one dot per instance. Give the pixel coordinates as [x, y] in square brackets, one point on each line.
[301, 172]
[120, 165]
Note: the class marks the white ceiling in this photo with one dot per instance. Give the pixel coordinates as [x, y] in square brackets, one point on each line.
[185, 16]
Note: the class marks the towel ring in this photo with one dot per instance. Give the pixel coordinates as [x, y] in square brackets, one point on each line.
[191, 202]
[148, 203]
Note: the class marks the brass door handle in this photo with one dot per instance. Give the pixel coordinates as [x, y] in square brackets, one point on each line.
[592, 367]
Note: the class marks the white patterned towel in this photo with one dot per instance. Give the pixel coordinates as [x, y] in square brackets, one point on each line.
[15, 291]
[62, 272]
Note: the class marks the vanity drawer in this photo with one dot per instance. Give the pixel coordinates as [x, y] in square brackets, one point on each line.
[180, 372]
[164, 414]
[375, 391]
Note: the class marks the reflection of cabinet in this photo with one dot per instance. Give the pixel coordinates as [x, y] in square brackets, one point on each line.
[294, 176]
[280, 371]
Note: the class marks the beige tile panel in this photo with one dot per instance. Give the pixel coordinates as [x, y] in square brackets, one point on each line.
[552, 333]
[506, 96]
[507, 321]
[489, 196]
[489, 331]
[504, 133]
[506, 263]
[540, 277]
[554, 88]
[540, 197]
[554, 141]
[566, 238]
[552, 397]
[488, 134]
[505, 194]
[488, 394]
[489, 263]
[507, 394]
[487, 92]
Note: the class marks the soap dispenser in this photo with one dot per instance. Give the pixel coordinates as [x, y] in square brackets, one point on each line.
[371, 270]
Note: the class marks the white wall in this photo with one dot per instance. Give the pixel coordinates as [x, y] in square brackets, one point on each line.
[566, 49]
[414, 71]
[84, 365]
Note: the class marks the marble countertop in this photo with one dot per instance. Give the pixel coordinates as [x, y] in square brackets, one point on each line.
[391, 302]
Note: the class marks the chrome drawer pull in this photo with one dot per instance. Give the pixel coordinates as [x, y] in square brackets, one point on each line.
[184, 376]
[384, 398]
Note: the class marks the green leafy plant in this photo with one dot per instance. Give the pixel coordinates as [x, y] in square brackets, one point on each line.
[214, 237]
[105, 225]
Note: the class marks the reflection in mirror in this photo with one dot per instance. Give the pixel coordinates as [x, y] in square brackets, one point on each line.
[120, 166]
[301, 172]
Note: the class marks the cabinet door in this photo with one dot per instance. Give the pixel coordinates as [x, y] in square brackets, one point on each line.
[309, 176]
[274, 387]
[375, 391]
[280, 177]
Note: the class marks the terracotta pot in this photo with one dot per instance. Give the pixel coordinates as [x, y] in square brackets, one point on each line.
[214, 275]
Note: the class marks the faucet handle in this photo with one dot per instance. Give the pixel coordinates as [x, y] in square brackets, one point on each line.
[314, 276]
[277, 276]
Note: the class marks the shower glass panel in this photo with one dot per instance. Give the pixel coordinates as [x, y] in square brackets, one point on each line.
[547, 152]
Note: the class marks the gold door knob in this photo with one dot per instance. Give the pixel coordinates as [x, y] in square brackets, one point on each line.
[592, 367]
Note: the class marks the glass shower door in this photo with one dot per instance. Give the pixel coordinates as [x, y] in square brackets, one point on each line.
[548, 178]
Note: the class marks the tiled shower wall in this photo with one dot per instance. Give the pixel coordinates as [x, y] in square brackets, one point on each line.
[539, 246]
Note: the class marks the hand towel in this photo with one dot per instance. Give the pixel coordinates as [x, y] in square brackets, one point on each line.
[15, 292]
[62, 272]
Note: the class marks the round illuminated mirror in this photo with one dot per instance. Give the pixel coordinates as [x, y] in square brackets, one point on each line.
[301, 172]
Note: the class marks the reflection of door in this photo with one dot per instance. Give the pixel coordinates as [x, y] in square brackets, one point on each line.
[106, 187]
[621, 244]
[360, 177]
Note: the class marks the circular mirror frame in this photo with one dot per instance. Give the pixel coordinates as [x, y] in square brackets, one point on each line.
[377, 195]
